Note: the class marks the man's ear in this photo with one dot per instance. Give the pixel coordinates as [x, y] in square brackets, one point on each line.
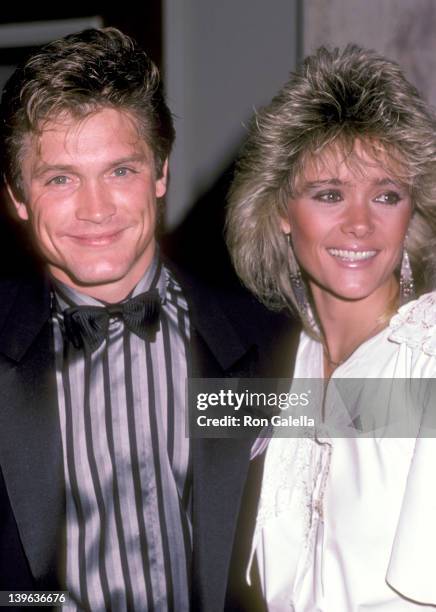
[161, 182]
[20, 207]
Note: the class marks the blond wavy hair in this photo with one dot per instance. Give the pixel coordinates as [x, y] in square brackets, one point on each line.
[336, 97]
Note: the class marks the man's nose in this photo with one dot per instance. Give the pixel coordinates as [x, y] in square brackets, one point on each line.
[95, 203]
[358, 220]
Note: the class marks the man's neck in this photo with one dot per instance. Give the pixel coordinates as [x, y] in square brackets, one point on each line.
[109, 293]
[78, 293]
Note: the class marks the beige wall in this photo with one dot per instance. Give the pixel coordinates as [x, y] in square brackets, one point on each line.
[222, 58]
[402, 30]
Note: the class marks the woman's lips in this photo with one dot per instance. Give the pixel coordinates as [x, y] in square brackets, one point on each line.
[353, 257]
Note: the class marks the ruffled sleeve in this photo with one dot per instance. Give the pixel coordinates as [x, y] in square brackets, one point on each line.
[415, 324]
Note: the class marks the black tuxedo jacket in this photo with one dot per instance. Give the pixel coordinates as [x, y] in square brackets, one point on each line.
[231, 336]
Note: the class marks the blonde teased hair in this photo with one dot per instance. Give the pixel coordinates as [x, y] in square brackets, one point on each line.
[337, 97]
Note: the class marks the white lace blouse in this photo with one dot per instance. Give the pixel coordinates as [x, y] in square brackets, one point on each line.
[348, 524]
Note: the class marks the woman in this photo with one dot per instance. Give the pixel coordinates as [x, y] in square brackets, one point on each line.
[333, 214]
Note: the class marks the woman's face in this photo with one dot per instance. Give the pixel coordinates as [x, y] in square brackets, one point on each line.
[348, 225]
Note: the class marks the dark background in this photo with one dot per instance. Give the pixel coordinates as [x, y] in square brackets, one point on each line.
[144, 23]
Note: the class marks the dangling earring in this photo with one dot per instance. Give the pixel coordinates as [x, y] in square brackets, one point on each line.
[297, 283]
[407, 286]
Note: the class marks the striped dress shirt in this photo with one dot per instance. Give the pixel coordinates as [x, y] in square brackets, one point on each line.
[126, 458]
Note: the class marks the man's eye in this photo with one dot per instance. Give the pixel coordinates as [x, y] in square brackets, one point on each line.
[330, 196]
[58, 180]
[388, 197]
[123, 171]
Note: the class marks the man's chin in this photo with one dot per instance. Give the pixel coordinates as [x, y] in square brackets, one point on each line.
[88, 278]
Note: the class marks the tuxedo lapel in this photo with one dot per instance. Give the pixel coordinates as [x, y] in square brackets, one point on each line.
[220, 466]
[220, 471]
[215, 479]
[30, 441]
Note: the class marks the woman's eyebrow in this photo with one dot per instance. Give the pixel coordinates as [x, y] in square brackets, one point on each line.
[321, 183]
[337, 182]
[387, 181]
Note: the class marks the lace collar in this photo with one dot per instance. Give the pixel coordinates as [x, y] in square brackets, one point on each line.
[415, 324]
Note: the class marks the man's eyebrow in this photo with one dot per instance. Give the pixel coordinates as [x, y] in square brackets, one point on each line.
[41, 169]
[44, 167]
[129, 159]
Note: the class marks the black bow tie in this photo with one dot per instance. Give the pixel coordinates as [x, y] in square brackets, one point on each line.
[87, 326]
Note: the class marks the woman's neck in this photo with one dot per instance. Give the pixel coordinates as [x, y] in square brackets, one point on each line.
[346, 324]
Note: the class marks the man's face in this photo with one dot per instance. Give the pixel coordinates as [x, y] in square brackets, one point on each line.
[91, 192]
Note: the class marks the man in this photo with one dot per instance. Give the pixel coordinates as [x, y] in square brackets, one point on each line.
[101, 492]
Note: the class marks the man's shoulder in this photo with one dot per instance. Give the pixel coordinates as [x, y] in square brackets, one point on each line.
[216, 306]
[24, 308]
[238, 303]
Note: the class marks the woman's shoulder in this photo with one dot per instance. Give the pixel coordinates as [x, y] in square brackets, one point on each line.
[415, 324]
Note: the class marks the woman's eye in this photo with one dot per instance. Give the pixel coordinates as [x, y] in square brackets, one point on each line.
[389, 197]
[58, 180]
[330, 196]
